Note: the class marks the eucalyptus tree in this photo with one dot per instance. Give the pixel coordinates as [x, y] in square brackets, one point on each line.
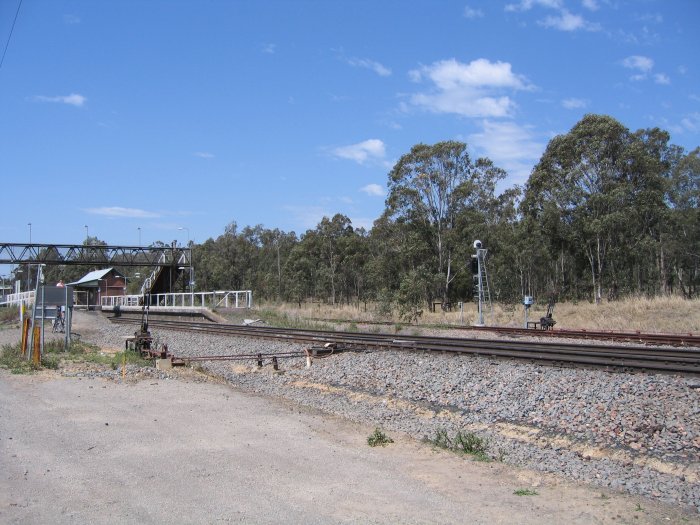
[428, 189]
[598, 191]
[577, 190]
[683, 226]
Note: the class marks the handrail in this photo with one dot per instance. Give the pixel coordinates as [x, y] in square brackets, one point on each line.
[217, 299]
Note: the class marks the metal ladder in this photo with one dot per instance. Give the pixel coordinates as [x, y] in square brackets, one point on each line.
[483, 288]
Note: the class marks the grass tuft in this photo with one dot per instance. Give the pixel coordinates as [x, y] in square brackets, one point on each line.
[526, 492]
[462, 443]
[378, 438]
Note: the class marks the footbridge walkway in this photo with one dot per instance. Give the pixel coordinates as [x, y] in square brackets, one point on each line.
[161, 301]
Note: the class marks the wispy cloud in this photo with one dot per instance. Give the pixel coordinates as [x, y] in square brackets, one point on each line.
[526, 5]
[662, 78]
[574, 103]
[74, 99]
[269, 49]
[71, 19]
[471, 13]
[373, 190]
[511, 146]
[638, 63]
[566, 21]
[470, 90]
[118, 211]
[203, 155]
[372, 65]
[563, 20]
[371, 150]
[642, 67]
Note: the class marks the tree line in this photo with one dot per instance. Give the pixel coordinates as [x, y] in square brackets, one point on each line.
[605, 213]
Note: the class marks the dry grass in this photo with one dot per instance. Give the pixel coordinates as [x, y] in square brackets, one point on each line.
[663, 314]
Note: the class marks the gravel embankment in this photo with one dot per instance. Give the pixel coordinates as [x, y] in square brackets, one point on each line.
[634, 432]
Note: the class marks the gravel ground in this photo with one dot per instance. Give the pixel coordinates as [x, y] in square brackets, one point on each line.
[638, 433]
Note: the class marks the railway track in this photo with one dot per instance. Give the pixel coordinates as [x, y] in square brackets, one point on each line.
[689, 339]
[608, 356]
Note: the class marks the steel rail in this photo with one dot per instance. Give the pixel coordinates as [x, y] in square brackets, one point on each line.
[659, 338]
[672, 360]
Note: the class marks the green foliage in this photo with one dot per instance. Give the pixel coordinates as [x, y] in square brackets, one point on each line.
[378, 438]
[526, 492]
[12, 360]
[462, 443]
[606, 212]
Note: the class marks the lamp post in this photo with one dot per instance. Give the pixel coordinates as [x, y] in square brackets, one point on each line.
[139, 229]
[30, 232]
[87, 234]
[188, 233]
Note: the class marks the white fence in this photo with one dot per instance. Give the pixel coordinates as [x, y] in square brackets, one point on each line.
[218, 299]
[16, 299]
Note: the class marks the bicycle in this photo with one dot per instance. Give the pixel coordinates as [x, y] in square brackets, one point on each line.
[59, 323]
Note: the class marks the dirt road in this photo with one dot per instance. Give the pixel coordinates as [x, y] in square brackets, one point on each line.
[88, 450]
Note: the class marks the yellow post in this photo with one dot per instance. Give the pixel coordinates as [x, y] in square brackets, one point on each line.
[25, 335]
[36, 356]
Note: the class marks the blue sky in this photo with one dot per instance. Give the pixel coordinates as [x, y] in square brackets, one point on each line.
[163, 120]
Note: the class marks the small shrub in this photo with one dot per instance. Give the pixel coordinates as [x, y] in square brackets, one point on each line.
[526, 492]
[352, 327]
[378, 438]
[462, 443]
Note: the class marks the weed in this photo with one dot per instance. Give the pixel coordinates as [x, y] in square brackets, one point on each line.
[639, 508]
[11, 359]
[352, 327]
[526, 492]
[501, 455]
[604, 496]
[462, 443]
[378, 438]
[9, 314]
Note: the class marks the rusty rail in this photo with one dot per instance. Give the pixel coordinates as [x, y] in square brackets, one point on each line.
[585, 354]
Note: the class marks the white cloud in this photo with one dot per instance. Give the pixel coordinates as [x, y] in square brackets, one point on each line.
[662, 78]
[574, 103]
[373, 190]
[691, 122]
[203, 155]
[470, 90]
[372, 65]
[269, 49]
[566, 21]
[526, 5]
[510, 146]
[362, 152]
[638, 63]
[74, 99]
[471, 13]
[118, 211]
[71, 19]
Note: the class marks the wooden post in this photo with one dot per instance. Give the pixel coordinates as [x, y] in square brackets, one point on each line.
[36, 355]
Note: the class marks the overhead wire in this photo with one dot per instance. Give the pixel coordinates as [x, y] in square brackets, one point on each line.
[7, 44]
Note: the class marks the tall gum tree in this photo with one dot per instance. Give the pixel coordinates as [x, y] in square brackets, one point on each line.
[599, 190]
[429, 187]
